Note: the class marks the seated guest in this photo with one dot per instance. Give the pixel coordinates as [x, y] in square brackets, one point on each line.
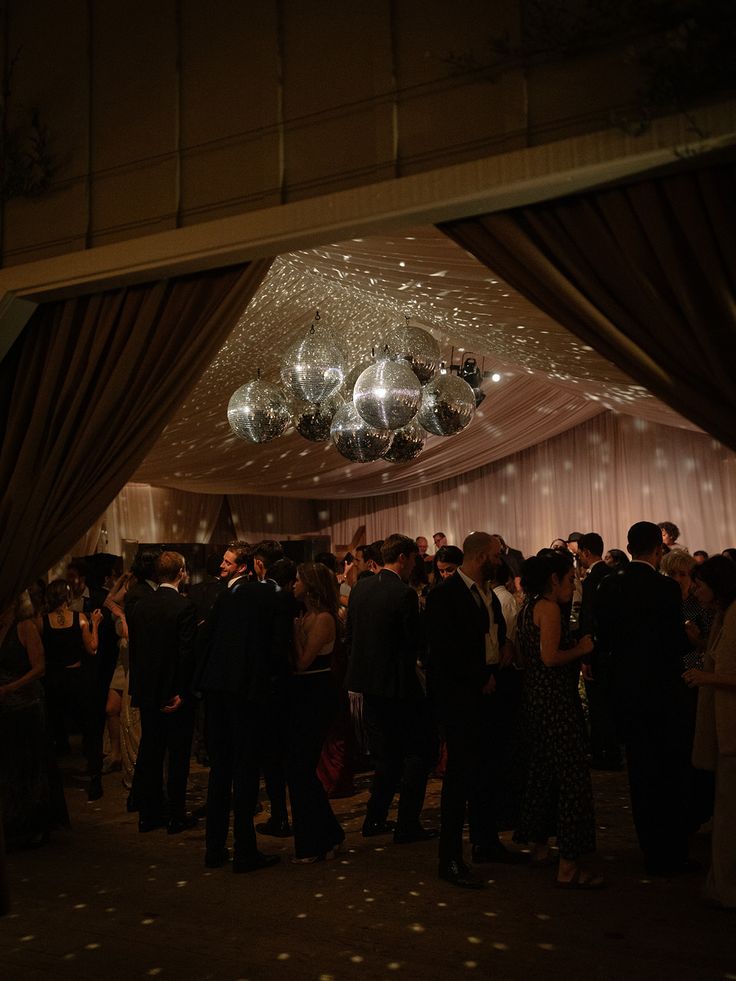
[558, 798]
[715, 740]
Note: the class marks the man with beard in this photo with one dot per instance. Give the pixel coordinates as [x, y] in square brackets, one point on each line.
[467, 654]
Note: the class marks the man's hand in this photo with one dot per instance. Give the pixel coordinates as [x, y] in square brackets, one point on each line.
[172, 705]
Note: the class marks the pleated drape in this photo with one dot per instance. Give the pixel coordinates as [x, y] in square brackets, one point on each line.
[644, 273]
[86, 391]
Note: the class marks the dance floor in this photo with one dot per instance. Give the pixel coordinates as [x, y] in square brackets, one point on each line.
[103, 901]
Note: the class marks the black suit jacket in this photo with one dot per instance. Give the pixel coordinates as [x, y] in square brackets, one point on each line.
[383, 638]
[246, 641]
[456, 629]
[162, 629]
[639, 621]
[586, 617]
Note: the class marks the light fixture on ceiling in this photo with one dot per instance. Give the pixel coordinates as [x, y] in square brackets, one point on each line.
[380, 407]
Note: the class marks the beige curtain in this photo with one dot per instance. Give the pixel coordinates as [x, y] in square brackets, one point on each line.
[86, 391]
[256, 517]
[600, 476]
[645, 274]
[160, 514]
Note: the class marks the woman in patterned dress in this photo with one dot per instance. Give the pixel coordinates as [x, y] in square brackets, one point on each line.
[558, 797]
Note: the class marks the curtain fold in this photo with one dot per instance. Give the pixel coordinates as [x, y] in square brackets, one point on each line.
[160, 514]
[602, 476]
[86, 391]
[256, 517]
[644, 273]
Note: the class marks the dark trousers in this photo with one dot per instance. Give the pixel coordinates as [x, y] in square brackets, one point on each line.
[273, 765]
[466, 788]
[403, 746]
[234, 747]
[312, 709]
[163, 733]
[658, 759]
[604, 743]
[72, 692]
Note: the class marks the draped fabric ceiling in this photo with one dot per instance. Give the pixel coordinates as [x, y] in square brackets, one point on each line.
[550, 381]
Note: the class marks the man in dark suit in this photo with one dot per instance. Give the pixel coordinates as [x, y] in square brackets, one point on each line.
[246, 639]
[639, 617]
[162, 628]
[467, 659]
[604, 744]
[383, 638]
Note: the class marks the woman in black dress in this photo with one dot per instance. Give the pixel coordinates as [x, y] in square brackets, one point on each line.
[558, 798]
[313, 706]
[31, 795]
[70, 643]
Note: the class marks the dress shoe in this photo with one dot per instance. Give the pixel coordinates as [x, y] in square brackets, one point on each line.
[215, 858]
[419, 833]
[458, 874]
[277, 829]
[94, 791]
[255, 862]
[373, 828]
[151, 824]
[179, 824]
[483, 854]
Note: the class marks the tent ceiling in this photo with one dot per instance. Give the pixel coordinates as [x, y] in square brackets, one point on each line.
[550, 380]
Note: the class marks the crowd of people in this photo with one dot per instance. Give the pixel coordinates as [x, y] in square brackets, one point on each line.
[512, 678]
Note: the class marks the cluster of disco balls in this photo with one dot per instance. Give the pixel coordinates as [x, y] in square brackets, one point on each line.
[383, 407]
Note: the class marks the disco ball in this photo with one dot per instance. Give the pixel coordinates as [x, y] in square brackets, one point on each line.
[406, 443]
[365, 360]
[258, 412]
[417, 347]
[448, 404]
[387, 394]
[314, 368]
[355, 439]
[313, 421]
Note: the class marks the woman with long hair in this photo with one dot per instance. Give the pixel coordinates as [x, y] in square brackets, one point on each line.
[313, 705]
[558, 797]
[715, 730]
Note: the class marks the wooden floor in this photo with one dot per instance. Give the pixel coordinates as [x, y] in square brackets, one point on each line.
[103, 901]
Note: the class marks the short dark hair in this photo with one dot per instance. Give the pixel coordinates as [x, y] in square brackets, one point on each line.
[283, 572]
[144, 563]
[268, 551]
[396, 545]
[81, 566]
[169, 565]
[671, 528]
[539, 569]
[643, 537]
[619, 557]
[328, 559]
[700, 551]
[719, 573]
[591, 541]
[575, 536]
[241, 549]
[449, 553]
